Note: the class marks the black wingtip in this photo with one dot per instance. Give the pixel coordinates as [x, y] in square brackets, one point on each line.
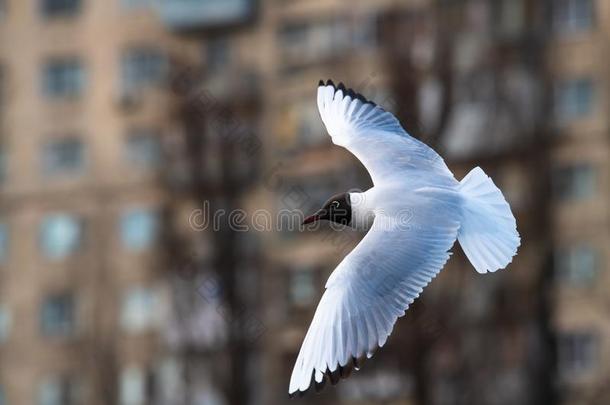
[347, 91]
[296, 394]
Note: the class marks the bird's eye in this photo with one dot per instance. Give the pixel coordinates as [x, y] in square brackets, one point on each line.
[335, 204]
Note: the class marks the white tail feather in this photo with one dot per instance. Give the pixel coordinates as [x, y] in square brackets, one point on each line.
[488, 232]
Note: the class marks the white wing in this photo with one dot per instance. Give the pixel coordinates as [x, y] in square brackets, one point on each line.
[382, 276]
[376, 138]
[371, 288]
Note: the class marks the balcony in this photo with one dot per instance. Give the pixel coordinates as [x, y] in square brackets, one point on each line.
[202, 14]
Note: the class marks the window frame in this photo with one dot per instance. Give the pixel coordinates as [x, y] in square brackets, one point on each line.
[68, 326]
[50, 157]
[68, 84]
[568, 352]
[141, 245]
[565, 191]
[568, 255]
[71, 248]
[133, 78]
[135, 158]
[48, 12]
[564, 21]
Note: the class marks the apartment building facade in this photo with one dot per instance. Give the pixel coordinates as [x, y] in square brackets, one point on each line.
[85, 107]
[85, 114]
[580, 214]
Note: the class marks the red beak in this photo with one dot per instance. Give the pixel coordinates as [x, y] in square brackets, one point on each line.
[310, 219]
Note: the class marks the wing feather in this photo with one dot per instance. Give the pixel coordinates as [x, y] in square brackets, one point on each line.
[375, 136]
[370, 289]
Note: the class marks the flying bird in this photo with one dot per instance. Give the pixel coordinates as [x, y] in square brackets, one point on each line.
[414, 212]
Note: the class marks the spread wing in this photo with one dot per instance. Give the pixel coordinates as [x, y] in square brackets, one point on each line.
[369, 290]
[375, 137]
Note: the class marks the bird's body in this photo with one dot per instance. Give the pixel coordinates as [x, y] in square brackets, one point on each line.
[413, 214]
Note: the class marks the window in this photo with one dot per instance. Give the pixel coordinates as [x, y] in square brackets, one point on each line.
[57, 316]
[509, 17]
[572, 15]
[143, 149]
[64, 156]
[56, 390]
[578, 352]
[60, 235]
[576, 265]
[3, 166]
[302, 287]
[6, 321]
[574, 182]
[141, 67]
[309, 128]
[139, 229]
[3, 242]
[3, 11]
[56, 8]
[134, 4]
[141, 310]
[217, 54]
[136, 386]
[63, 78]
[170, 379]
[3, 75]
[574, 99]
[307, 42]
[299, 124]
[366, 32]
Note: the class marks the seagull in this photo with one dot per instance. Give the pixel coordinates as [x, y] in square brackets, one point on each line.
[414, 212]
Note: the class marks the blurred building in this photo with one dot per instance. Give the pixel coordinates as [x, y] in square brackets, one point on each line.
[580, 193]
[119, 119]
[83, 109]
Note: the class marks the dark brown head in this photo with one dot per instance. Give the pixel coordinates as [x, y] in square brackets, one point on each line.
[338, 209]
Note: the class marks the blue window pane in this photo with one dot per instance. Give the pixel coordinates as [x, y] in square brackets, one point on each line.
[143, 149]
[576, 265]
[575, 99]
[58, 390]
[133, 4]
[572, 15]
[302, 287]
[3, 165]
[139, 229]
[63, 78]
[574, 182]
[57, 315]
[217, 54]
[3, 242]
[53, 8]
[63, 156]
[3, 12]
[142, 67]
[132, 386]
[140, 310]
[6, 321]
[578, 352]
[60, 235]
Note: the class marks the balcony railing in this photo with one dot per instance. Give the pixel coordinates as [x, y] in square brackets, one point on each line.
[201, 14]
